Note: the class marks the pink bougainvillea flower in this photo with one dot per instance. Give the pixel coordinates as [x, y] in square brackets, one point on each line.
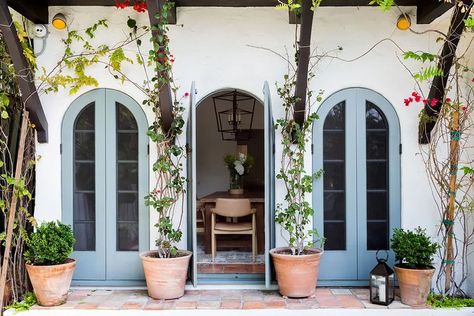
[122, 5]
[433, 102]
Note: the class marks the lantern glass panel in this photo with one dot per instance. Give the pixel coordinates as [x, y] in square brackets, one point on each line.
[378, 289]
[391, 287]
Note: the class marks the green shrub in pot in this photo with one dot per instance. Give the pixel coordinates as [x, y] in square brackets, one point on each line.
[414, 251]
[48, 264]
[51, 243]
[413, 248]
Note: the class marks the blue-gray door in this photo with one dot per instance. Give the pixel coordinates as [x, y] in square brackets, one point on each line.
[104, 182]
[356, 142]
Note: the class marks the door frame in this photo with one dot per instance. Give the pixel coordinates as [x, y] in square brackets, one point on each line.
[353, 174]
[231, 278]
[99, 256]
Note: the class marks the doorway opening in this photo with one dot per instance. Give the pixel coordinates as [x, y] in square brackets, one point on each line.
[230, 239]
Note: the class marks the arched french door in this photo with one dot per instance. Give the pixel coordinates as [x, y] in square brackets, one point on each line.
[104, 182]
[357, 200]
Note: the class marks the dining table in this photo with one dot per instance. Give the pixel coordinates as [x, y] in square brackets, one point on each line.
[257, 201]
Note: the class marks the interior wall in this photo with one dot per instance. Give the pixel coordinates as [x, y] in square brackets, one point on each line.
[211, 171]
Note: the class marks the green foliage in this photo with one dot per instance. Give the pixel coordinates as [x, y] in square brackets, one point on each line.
[469, 23]
[413, 249]
[439, 301]
[29, 299]
[51, 243]
[384, 5]
[428, 73]
[295, 215]
[422, 56]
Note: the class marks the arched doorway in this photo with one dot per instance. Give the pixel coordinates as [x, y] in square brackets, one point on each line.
[104, 182]
[357, 200]
[209, 180]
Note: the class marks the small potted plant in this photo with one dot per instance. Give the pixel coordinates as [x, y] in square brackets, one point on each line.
[297, 265]
[239, 165]
[414, 252]
[48, 264]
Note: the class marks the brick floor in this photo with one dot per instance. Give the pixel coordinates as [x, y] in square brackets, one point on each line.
[221, 299]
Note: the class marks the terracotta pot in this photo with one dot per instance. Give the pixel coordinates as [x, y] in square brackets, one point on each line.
[415, 285]
[51, 283]
[165, 278]
[297, 276]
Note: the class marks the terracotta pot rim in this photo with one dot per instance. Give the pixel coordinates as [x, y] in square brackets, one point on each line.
[146, 255]
[69, 261]
[428, 268]
[275, 252]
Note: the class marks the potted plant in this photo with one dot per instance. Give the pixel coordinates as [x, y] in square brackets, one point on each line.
[297, 265]
[414, 251]
[239, 165]
[48, 264]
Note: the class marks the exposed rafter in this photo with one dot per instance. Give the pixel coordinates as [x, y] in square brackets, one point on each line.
[304, 50]
[428, 10]
[165, 97]
[438, 86]
[35, 11]
[29, 95]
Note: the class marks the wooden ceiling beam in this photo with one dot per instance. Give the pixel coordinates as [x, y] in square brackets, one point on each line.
[29, 94]
[165, 102]
[35, 11]
[304, 50]
[438, 85]
[428, 10]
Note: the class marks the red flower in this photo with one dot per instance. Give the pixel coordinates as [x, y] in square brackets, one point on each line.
[186, 94]
[122, 5]
[433, 102]
[140, 6]
[448, 100]
[425, 101]
[407, 102]
[418, 98]
[464, 108]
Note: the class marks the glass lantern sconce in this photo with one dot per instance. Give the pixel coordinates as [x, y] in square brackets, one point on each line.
[382, 282]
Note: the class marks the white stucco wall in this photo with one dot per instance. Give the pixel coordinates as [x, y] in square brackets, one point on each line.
[211, 48]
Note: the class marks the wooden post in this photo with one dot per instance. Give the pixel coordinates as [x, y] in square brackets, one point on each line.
[449, 218]
[13, 206]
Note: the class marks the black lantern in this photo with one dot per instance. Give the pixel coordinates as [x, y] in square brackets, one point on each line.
[382, 285]
[234, 115]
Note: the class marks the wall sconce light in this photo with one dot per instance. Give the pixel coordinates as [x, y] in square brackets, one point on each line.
[59, 21]
[403, 22]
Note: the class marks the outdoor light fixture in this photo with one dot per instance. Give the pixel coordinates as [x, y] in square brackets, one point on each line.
[403, 22]
[234, 115]
[382, 285]
[59, 21]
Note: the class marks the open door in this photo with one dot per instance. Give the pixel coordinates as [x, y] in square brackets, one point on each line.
[269, 182]
[191, 173]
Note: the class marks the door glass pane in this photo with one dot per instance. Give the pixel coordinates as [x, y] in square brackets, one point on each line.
[334, 178]
[84, 180]
[377, 178]
[127, 180]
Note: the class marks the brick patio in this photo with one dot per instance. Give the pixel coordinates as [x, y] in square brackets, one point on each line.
[220, 299]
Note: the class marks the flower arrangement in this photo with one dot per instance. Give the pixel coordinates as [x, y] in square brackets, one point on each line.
[239, 165]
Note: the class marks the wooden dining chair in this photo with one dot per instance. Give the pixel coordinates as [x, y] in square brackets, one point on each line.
[233, 208]
[200, 221]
